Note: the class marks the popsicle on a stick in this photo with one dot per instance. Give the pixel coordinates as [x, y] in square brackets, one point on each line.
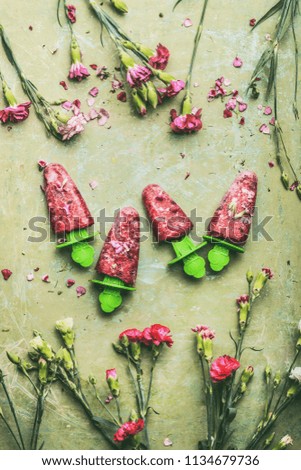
[171, 224]
[230, 225]
[119, 257]
[69, 214]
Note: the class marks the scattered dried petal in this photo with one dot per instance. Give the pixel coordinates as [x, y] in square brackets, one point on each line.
[121, 96]
[70, 282]
[30, 28]
[242, 107]
[167, 442]
[187, 23]
[94, 91]
[271, 164]
[64, 84]
[93, 184]
[242, 121]
[45, 278]
[90, 101]
[42, 164]
[93, 66]
[268, 37]
[260, 107]
[252, 22]
[80, 290]
[104, 116]
[67, 105]
[227, 82]
[272, 121]
[93, 114]
[294, 185]
[196, 84]
[264, 128]
[6, 273]
[30, 277]
[267, 110]
[227, 113]
[237, 62]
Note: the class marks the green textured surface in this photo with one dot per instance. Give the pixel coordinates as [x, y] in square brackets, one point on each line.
[123, 157]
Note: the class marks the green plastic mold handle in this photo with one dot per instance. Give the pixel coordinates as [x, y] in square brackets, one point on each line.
[194, 265]
[82, 252]
[110, 298]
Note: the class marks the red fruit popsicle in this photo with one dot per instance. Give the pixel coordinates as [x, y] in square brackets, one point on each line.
[231, 222]
[118, 259]
[170, 223]
[69, 214]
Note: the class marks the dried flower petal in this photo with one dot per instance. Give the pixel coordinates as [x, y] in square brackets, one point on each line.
[272, 121]
[90, 101]
[30, 277]
[271, 164]
[104, 116]
[187, 23]
[268, 37]
[45, 278]
[242, 121]
[252, 22]
[242, 107]
[93, 66]
[64, 84]
[6, 273]
[264, 129]
[237, 62]
[227, 113]
[71, 13]
[93, 184]
[267, 110]
[121, 96]
[42, 164]
[94, 91]
[167, 442]
[67, 105]
[227, 82]
[70, 282]
[80, 290]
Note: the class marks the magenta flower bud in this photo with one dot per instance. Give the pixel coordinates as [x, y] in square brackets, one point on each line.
[112, 381]
[243, 303]
[261, 280]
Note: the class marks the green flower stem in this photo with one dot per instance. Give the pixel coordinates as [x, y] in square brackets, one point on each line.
[38, 417]
[138, 397]
[11, 431]
[107, 409]
[12, 409]
[118, 409]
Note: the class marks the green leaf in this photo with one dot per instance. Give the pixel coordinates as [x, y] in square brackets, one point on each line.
[176, 4]
[269, 13]
[107, 428]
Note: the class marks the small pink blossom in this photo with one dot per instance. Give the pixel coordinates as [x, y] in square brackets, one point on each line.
[160, 60]
[264, 129]
[271, 164]
[64, 84]
[74, 126]
[121, 96]
[45, 278]
[267, 110]
[187, 23]
[237, 62]
[242, 107]
[93, 184]
[204, 331]
[80, 290]
[187, 123]
[252, 22]
[71, 13]
[6, 273]
[172, 89]
[137, 75]
[78, 72]
[227, 113]
[30, 277]
[94, 91]
[70, 282]
[16, 113]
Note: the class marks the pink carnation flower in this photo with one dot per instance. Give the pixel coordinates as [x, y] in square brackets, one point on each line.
[223, 367]
[172, 89]
[111, 374]
[137, 75]
[160, 60]
[71, 13]
[157, 334]
[74, 126]
[78, 71]
[132, 334]
[268, 273]
[16, 113]
[128, 429]
[187, 123]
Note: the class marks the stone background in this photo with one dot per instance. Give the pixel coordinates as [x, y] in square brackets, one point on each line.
[123, 157]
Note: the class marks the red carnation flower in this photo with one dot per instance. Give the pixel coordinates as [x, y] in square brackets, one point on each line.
[156, 334]
[128, 429]
[223, 367]
[132, 334]
[160, 60]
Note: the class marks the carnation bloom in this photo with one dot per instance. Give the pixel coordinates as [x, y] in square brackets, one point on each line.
[296, 374]
[268, 273]
[132, 334]
[74, 126]
[137, 75]
[111, 374]
[187, 123]
[78, 71]
[15, 113]
[204, 331]
[160, 60]
[223, 367]
[157, 334]
[174, 87]
[71, 13]
[243, 300]
[128, 429]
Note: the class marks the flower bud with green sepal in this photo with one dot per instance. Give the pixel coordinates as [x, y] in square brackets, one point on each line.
[64, 357]
[204, 341]
[139, 103]
[293, 390]
[284, 443]
[249, 276]
[13, 358]
[277, 379]
[43, 371]
[120, 6]
[135, 351]
[42, 347]
[267, 374]
[261, 280]
[245, 378]
[152, 95]
[112, 381]
[243, 303]
[65, 328]
[285, 180]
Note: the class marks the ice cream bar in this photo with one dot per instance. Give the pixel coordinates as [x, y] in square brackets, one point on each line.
[69, 214]
[118, 259]
[230, 225]
[168, 220]
[67, 208]
[170, 223]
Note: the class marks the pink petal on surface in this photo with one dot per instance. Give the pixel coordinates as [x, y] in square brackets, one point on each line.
[227, 113]
[6, 273]
[64, 84]
[242, 121]
[90, 101]
[80, 290]
[264, 129]
[45, 278]
[187, 23]
[121, 96]
[42, 164]
[67, 105]
[30, 277]
[93, 114]
[94, 91]
[252, 22]
[237, 62]
[167, 442]
[267, 110]
[93, 66]
[70, 282]
[104, 116]
[268, 37]
[93, 184]
[260, 107]
[272, 121]
[271, 164]
[227, 82]
[242, 107]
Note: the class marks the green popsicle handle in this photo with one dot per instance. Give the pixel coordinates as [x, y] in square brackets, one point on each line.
[219, 256]
[110, 298]
[194, 265]
[82, 252]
